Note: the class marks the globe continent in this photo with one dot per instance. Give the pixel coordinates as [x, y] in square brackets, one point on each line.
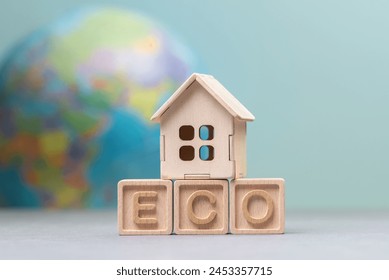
[75, 102]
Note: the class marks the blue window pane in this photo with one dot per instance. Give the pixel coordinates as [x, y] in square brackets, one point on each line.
[206, 132]
[206, 153]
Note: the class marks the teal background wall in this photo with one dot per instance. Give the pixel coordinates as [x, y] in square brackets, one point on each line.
[314, 73]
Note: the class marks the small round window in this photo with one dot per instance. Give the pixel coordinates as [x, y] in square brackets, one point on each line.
[206, 132]
[207, 153]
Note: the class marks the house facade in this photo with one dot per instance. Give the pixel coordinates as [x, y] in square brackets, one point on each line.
[203, 132]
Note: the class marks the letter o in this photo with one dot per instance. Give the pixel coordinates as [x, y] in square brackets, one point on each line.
[269, 203]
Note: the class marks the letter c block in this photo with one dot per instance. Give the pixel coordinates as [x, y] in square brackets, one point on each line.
[257, 206]
[201, 206]
[145, 207]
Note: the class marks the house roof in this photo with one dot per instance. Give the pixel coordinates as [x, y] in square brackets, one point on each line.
[216, 90]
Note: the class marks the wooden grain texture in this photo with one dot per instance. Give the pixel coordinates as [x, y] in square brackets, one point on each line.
[202, 101]
[257, 206]
[201, 206]
[145, 207]
[216, 90]
[239, 148]
[196, 108]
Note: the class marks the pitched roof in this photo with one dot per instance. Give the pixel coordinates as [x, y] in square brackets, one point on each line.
[216, 90]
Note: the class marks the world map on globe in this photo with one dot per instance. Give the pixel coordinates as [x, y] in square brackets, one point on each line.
[75, 101]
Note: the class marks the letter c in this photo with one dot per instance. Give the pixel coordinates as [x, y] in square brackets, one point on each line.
[192, 216]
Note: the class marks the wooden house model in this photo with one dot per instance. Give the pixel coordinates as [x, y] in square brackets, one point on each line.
[203, 132]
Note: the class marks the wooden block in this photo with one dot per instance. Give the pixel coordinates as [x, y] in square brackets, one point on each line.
[145, 207]
[257, 206]
[201, 206]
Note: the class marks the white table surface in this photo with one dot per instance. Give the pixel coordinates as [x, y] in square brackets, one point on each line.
[37, 234]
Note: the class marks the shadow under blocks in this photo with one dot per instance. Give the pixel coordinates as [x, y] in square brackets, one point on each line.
[203, 189]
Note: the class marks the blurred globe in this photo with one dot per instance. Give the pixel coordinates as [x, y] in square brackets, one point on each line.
[75, 103]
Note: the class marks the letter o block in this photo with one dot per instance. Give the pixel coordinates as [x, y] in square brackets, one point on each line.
[257, 206]
[201, 206]
[145, 207]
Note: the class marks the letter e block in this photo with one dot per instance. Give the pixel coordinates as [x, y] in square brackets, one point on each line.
[145, 207]
[201, 206]
[257, 206]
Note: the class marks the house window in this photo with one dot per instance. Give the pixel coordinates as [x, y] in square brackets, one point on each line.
[186, 132]
[187, 153]
[206, 152]
[206, 132]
